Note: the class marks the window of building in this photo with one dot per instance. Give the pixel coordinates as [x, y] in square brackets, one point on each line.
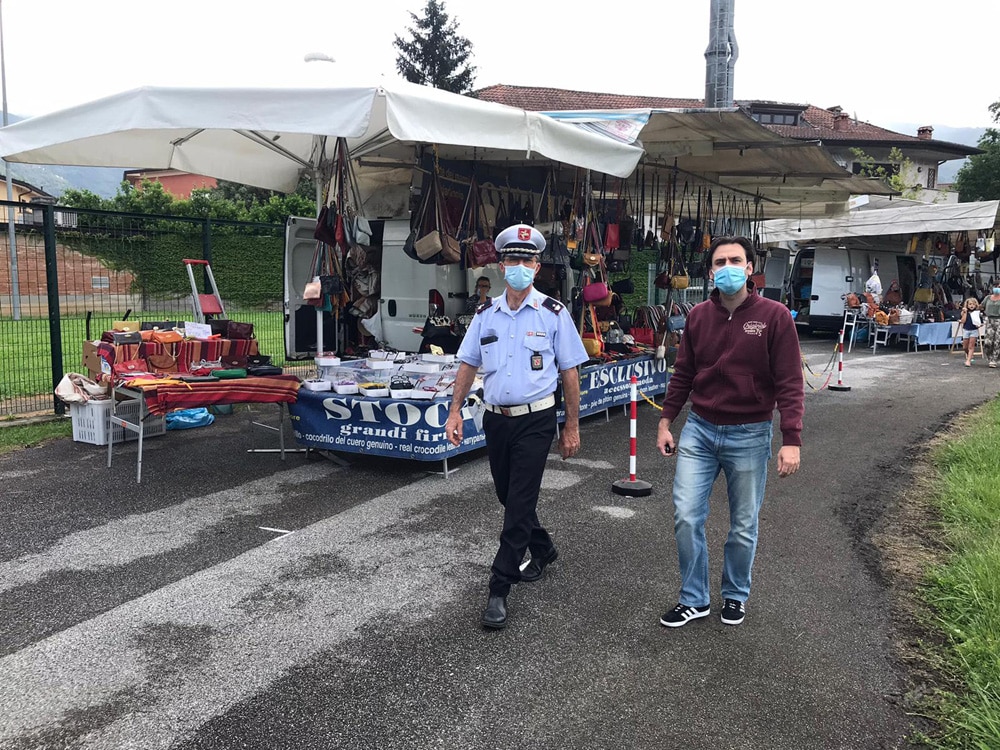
[775, 118]
[100, 282]
[931, 178]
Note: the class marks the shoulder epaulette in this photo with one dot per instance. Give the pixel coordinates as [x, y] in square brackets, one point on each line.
[552, 304]
[483, 307]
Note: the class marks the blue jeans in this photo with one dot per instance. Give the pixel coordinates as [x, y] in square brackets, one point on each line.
[704, 449]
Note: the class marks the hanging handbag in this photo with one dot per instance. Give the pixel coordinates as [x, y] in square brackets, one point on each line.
[326, 225]
[593, 342]
[678, 274]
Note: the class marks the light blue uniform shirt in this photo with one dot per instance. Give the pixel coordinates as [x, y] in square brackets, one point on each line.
[502, 342]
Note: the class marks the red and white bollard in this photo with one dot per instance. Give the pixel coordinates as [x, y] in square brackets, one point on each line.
[839, 385]
[632, 487]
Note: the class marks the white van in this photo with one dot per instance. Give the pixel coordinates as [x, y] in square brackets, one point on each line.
[410, 291]
[821, 276]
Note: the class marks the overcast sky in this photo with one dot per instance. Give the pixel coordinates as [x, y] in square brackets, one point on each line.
[885, 61]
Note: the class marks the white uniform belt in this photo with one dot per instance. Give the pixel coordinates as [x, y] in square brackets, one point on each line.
[521, 409]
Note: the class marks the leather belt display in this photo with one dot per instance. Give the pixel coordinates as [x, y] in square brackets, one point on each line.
[520, 410]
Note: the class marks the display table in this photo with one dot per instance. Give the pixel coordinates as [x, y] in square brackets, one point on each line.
[414, 429]
[926, 334]
[153, 399]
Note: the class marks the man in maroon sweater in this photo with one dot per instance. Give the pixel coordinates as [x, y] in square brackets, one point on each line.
[738, 358]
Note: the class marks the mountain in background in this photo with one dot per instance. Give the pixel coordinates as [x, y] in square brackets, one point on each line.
[56, 180]
[965, 136]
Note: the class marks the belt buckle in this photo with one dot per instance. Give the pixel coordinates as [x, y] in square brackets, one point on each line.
[505, 410]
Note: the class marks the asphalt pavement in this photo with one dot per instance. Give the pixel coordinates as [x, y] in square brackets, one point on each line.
[234, 600]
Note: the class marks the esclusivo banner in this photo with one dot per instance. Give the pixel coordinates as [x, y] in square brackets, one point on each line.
[415, 429]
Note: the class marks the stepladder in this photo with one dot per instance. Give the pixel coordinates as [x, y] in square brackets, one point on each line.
[208, 303]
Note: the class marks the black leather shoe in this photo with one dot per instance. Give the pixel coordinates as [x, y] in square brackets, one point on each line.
[535, 568]
[495, 614]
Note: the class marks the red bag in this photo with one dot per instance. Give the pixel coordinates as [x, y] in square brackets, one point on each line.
[642, 335]
[612, 237]
[482, 253]
[129, 368]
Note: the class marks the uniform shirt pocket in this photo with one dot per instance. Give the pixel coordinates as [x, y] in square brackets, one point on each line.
[489, 347]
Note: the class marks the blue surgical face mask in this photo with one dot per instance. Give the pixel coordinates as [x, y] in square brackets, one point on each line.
[519, 277]
[730, 279]
[996, 290]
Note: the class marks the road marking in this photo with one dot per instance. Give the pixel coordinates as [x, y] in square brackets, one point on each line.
[283, 532]
[615, 511]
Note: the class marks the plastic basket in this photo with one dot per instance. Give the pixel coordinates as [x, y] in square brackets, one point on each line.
[90, 422]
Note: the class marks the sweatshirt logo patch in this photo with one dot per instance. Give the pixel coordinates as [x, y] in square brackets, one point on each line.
[754, 327]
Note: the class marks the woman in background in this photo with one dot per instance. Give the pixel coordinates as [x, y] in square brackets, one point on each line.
[991, 338]
[969, 326]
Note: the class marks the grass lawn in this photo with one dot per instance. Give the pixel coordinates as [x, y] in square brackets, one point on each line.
[964, 588]
[26, 357]
[16, 437]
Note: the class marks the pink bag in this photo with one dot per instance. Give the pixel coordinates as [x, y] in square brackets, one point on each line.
[596, 292]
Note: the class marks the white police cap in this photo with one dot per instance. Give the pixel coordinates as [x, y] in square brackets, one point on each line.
[520, 240]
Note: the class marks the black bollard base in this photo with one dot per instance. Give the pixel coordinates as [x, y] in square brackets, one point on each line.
[628, 488]
[838, 387]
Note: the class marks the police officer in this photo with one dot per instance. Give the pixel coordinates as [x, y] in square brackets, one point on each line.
[523, 341]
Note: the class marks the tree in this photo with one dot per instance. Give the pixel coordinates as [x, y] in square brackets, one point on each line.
[979, 177]
[230, 201]
[895, 173]
[435, 53]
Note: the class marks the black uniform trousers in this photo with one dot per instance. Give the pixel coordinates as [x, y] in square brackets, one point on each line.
[518, 448]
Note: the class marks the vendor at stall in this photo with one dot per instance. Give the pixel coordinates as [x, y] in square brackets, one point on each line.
[481, 295]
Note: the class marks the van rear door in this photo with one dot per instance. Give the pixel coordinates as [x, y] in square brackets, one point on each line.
[411, 291]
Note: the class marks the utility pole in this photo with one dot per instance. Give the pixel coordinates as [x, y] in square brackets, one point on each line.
[15, 290]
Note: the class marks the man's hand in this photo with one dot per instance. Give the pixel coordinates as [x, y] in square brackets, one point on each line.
[788, 460]
[453, 428]
[664, 439]
[569, 442]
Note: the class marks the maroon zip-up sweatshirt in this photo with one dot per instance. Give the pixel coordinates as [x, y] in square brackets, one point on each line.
[737, 368]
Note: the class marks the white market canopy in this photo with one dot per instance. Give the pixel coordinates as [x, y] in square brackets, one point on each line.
[729, 149]
[269, 137]
[902, 220]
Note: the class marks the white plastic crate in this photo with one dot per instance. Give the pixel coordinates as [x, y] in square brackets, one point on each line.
[90, 422]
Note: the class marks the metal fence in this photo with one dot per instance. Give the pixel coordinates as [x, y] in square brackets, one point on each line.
[73, 272]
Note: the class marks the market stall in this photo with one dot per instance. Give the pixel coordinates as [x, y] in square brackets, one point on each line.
[414, 429]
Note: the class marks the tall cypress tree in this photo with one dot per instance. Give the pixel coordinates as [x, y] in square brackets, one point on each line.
[435, 54]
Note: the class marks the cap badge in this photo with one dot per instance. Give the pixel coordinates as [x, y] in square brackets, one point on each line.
[524, 234]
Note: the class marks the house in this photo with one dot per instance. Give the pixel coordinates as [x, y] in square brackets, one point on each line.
[176, 183]
[852, 143]
[23, 192]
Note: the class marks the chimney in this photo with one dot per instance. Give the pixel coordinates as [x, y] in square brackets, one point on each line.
[721, 55]
[925, 132]
[841, 122]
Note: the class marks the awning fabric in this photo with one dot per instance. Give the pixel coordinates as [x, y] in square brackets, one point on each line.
[728, 148]
[269, 137]
[905, 220]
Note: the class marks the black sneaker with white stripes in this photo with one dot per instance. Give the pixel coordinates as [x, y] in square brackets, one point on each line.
[682, 614]
[733, 612]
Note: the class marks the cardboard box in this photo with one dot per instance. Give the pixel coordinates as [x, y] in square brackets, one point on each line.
[92, 360]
